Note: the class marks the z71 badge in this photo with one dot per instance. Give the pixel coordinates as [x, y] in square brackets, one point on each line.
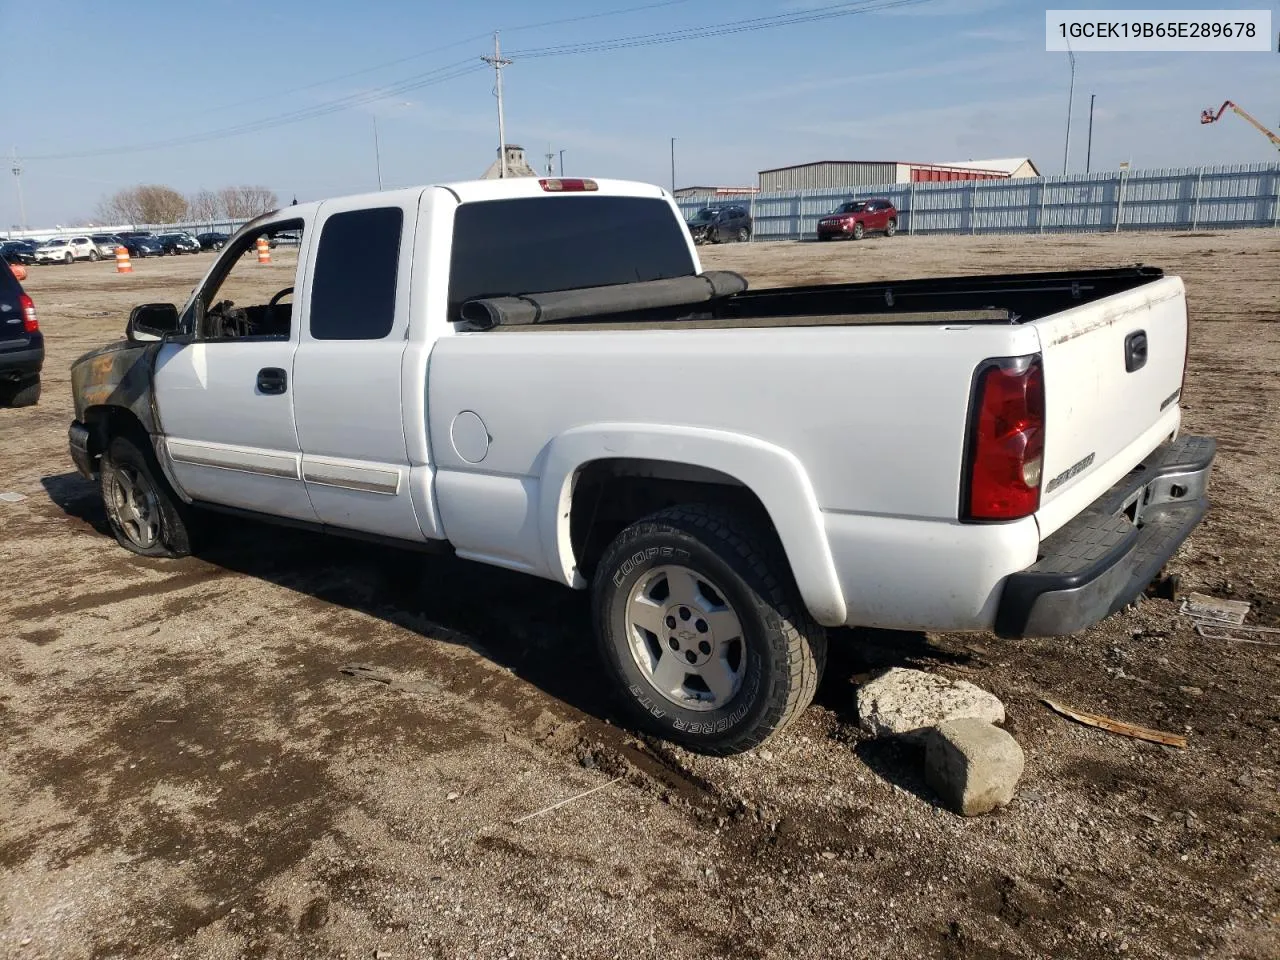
[1072, 471]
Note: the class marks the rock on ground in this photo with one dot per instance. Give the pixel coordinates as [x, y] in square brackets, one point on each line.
[972, 765]
[907, 703]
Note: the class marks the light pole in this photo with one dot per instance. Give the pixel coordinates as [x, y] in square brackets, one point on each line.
[377, 153]
[673, 166]
[1088, 150]
[17, 175]
[1071, 95]
[562, 163]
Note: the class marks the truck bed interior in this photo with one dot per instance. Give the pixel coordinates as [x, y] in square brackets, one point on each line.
[1003, 298]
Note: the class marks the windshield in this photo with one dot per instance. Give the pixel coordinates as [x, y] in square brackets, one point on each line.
[56, 243]
[704, 215]
[853, 206]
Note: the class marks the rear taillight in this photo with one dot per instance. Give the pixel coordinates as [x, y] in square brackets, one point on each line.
[29, 322]
[1005, 453]
[561, 185]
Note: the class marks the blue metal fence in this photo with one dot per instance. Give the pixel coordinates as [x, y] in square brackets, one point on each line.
[1165, 199]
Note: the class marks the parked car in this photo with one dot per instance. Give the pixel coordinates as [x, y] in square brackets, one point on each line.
[142, 245]
[66, 250]
[720, 224]
[212, 241]
[21, 344]
[853, 219]
[176, 243]
[106, 244]
[448, 371]
[18, 251]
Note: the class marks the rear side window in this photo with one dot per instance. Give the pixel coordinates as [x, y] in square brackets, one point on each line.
[353, 293]
[538, 244]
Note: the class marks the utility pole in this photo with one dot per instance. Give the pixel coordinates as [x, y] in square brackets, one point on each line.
[1066, 150]
[562, 163]
[497, 62]
[377, 153]
[1088, 152]
[551, 170]
[17, 175]
[673, 166]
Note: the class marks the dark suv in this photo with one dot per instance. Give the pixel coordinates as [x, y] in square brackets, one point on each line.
[721, 224]
[855, 218]
[21, 344]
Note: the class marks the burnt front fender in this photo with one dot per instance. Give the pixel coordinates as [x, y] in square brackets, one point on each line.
[117, 375]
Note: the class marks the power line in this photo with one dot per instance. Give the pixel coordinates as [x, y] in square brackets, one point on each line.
[831, 12]
[463, 67]
[430, 78]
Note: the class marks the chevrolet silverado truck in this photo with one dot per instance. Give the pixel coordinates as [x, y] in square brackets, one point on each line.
[538, 374]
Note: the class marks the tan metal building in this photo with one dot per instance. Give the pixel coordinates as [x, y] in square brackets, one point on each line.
[844, 174]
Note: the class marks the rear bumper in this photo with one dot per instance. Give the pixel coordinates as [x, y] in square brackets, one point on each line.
[1104, 558]
[20, 364]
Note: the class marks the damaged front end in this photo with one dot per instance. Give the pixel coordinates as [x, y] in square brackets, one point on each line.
[109, 384]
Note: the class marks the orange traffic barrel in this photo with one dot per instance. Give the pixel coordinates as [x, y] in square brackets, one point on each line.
[19, 271]
[123, 265]
[264, 250]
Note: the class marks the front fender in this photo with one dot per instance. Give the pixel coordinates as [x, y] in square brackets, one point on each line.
[773, 474]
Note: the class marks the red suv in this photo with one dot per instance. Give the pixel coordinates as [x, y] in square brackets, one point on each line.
[855, 218]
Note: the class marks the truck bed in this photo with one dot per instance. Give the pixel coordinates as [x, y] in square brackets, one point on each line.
[999, 299]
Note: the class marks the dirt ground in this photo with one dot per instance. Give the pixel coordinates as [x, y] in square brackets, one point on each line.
[187, 771]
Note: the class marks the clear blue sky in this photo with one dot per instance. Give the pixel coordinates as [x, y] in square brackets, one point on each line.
[944, 80]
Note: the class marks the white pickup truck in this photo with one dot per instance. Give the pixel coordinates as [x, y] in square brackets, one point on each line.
[537, 374]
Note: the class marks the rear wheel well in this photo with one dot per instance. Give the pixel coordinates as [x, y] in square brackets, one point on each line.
[610, 495]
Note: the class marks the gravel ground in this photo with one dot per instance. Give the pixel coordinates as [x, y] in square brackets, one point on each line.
[188, 771]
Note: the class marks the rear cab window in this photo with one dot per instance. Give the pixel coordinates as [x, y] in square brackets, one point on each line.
[539, 244]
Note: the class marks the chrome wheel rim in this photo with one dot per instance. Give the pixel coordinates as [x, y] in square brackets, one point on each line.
[135, 507]
[685, 638]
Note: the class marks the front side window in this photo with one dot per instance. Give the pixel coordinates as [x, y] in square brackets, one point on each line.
[353, 292]
[245, 299]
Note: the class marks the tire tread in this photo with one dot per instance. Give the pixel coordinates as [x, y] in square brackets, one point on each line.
[804, 640]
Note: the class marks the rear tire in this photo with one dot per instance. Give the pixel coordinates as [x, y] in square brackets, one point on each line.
[732, 657]
[891, 229]
[744, 235]
[24, 393]
[146, 516]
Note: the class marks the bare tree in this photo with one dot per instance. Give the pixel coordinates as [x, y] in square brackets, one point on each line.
[204, 205]
[150, 203]
[247, 201]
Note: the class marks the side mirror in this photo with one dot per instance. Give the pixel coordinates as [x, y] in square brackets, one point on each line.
[152, 321]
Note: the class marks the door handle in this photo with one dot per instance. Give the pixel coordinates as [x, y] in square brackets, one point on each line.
[272, 380]
[1135, 351]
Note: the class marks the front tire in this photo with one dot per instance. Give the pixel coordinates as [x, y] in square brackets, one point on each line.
[68, 259]
[93, 256]
[145, 515]
[858, 230]
[703, 630]
[744, 235]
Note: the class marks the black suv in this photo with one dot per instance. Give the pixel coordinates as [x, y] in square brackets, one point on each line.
[721, 224]
[21, 344]
[18, 251]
